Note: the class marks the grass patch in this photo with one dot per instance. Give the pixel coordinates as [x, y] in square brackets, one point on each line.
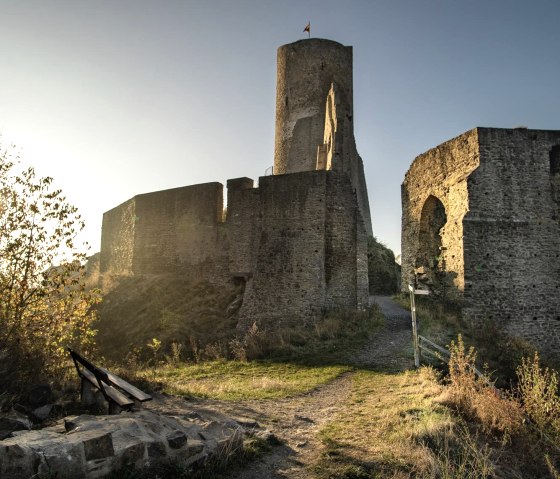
[382, 432]
[440, 322]
[396, 426]
[236, 380]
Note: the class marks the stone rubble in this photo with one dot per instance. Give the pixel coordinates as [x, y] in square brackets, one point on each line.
[93, 446]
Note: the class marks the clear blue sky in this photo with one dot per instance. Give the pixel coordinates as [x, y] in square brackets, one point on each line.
[119, 97]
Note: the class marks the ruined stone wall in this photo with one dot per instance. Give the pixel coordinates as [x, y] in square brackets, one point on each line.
[309, 250]
[440, 173]
[163, 231]
[488, 198]
[177, 227]
[512, 236]
[315, 113]
[117, 239]
[338, 151]
[244, 219]
[288, 279]
[362, 266]
[342, 218]
[297, 241]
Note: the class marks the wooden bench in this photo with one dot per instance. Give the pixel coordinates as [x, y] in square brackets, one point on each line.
[117, 392]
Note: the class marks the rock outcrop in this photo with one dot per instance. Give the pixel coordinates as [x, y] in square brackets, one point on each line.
[94, 446]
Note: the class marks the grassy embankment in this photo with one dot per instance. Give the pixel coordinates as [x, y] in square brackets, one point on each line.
[411, 424]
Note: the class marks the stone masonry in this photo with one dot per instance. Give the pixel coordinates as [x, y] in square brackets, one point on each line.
[314, 113]
[481, 225]
[90, 447]
[298, 241]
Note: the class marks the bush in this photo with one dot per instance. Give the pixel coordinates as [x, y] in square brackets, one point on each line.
[538, 391]
[496, 412]
[383, 271]
[44, 305]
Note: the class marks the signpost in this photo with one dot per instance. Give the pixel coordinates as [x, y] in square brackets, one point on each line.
[414, 324]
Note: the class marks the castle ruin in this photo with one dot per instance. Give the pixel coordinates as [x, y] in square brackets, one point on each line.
[298, 241]
[481, 224]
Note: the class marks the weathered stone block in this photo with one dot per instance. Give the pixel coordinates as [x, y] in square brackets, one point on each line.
[14, 422]
[98, 468]
[176, 439]
[63, 459]
[156, 450]
[18, 461]
[97, 445]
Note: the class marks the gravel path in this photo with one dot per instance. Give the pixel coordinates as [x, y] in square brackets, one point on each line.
[296, 421]
[388, 348]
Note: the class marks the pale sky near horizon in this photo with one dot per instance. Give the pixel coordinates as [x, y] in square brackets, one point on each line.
[117, 98]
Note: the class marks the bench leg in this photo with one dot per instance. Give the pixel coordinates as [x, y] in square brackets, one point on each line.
[88, 391]
[114, 408]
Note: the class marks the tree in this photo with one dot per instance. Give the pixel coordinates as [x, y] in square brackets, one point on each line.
[384, 272]
[44, 304]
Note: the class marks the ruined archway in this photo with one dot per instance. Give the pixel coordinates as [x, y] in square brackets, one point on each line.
[430, 261]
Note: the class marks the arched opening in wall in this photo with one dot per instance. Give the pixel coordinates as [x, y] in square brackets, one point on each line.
[430, 257]
[555, 160]
[555, 172]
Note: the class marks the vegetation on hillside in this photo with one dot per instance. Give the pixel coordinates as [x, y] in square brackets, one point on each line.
[44, 305]
[384, 272]
[441, 322]
[196, 321]
[176, 309]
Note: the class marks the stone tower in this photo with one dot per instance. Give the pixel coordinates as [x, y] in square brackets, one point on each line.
[314, 114]
[305, 72]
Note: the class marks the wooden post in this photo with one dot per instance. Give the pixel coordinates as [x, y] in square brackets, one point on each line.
[414, 327]
[87, 393]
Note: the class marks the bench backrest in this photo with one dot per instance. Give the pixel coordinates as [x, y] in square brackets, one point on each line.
[98, 373]
[106, 379]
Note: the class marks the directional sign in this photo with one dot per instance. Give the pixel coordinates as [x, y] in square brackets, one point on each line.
[418, 291]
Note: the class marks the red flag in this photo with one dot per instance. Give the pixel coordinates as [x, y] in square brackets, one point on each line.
[307, 28]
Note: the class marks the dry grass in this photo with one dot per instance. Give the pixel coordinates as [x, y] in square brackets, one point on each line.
[197, 321]
[172, 308]
[497, 412]
[538, 391]
[385, 430]
[237, 380]
[415, 425]
[524, 425]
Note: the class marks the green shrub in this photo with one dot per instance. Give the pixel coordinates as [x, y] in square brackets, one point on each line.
[44, 305]
[383, 271]
[538, 391]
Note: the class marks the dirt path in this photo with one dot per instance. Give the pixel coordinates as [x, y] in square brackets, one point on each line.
[296, 421]
[386, 349]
